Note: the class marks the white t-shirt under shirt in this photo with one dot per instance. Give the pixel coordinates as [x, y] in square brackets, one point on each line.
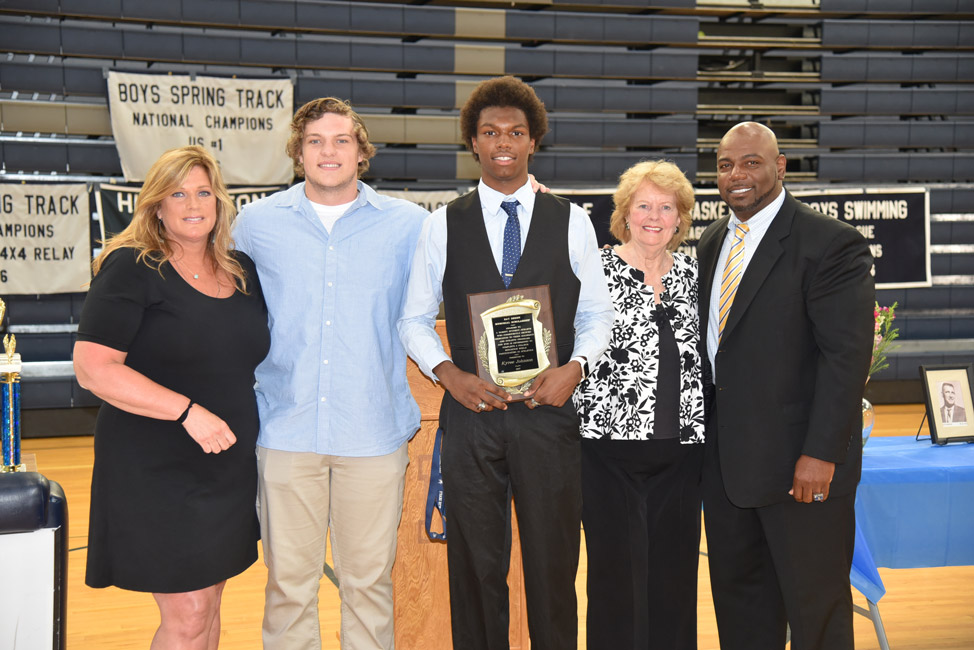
[329, 214]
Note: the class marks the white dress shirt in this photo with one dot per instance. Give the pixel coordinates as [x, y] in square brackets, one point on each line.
[757, 226]
[593, 316]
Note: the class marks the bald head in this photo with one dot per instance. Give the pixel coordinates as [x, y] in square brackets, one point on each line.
[750, 169]
[753, 132]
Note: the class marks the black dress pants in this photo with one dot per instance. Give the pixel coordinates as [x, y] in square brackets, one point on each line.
[534, 456]
[782, 564]
[641, 514]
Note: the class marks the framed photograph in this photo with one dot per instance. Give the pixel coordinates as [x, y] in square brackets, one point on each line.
[950, 408]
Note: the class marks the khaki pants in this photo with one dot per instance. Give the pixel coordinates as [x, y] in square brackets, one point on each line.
[303, 495]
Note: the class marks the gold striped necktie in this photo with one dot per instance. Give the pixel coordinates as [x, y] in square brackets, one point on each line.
[732, 276]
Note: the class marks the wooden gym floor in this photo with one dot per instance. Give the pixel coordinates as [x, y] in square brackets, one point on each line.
[924, 609]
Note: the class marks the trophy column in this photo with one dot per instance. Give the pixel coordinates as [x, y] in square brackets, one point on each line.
[33, 531]
[10, 367]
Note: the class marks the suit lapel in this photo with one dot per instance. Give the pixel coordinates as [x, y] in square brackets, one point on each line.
[765, 257]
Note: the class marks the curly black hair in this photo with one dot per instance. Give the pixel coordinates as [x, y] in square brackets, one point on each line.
[503, 92]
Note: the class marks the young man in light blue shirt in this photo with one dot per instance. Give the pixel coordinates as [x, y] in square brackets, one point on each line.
[336, 412]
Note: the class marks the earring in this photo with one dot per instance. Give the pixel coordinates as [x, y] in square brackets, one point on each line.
[627, 225]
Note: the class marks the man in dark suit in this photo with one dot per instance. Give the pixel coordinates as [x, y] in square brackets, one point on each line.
[950, 412]
[786, 312]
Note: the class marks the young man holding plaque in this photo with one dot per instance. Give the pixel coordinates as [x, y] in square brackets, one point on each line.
[522, 442]
[335, 408]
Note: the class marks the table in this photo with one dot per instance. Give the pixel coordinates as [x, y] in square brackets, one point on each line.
[915, 503]
[914, 509]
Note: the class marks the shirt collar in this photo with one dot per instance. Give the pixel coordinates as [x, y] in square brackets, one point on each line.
[296, 198]
[367, 195]
[762, 218]
[491, 199]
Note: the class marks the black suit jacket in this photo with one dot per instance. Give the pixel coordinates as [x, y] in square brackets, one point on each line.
[792, 363]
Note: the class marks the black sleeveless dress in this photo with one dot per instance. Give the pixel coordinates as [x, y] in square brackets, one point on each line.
[165, 516]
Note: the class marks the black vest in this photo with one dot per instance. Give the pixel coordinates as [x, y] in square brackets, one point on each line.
[470, 268]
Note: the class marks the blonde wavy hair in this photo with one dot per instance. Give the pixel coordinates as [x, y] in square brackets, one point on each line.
[147, 233]
[668, 178]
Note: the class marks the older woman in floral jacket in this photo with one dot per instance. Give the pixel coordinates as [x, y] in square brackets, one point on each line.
[642, 414]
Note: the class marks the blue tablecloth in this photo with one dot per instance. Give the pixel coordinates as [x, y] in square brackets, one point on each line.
[864, 575]
[914, 508]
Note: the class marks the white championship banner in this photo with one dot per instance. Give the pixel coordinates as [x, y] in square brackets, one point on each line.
[244, 123]
[45, 233]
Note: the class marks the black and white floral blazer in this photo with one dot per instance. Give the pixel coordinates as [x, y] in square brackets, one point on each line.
[617, 399]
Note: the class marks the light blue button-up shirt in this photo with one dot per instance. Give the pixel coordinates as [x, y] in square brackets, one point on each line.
[334, 381]
[594, 314]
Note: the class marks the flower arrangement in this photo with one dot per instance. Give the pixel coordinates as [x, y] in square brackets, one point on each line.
[884, 335]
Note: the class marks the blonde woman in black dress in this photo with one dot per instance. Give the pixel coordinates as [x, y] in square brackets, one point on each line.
[172, 329]
[642, 422]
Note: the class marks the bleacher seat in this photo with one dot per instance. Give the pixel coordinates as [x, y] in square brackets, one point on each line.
[917, 133]
[888, 167]
[881, 67]
[897, 34]
[871, 100]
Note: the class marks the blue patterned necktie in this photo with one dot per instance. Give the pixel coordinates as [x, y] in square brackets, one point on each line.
[512, 242]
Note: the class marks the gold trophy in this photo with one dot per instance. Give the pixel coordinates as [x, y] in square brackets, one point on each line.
[10, 367]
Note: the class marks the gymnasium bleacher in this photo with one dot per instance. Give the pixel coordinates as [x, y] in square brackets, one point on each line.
[860, 92]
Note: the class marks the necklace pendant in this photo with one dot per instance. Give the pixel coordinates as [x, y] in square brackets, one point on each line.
[196, 276]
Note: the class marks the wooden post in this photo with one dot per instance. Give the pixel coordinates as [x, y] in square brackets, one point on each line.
[422, 594]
